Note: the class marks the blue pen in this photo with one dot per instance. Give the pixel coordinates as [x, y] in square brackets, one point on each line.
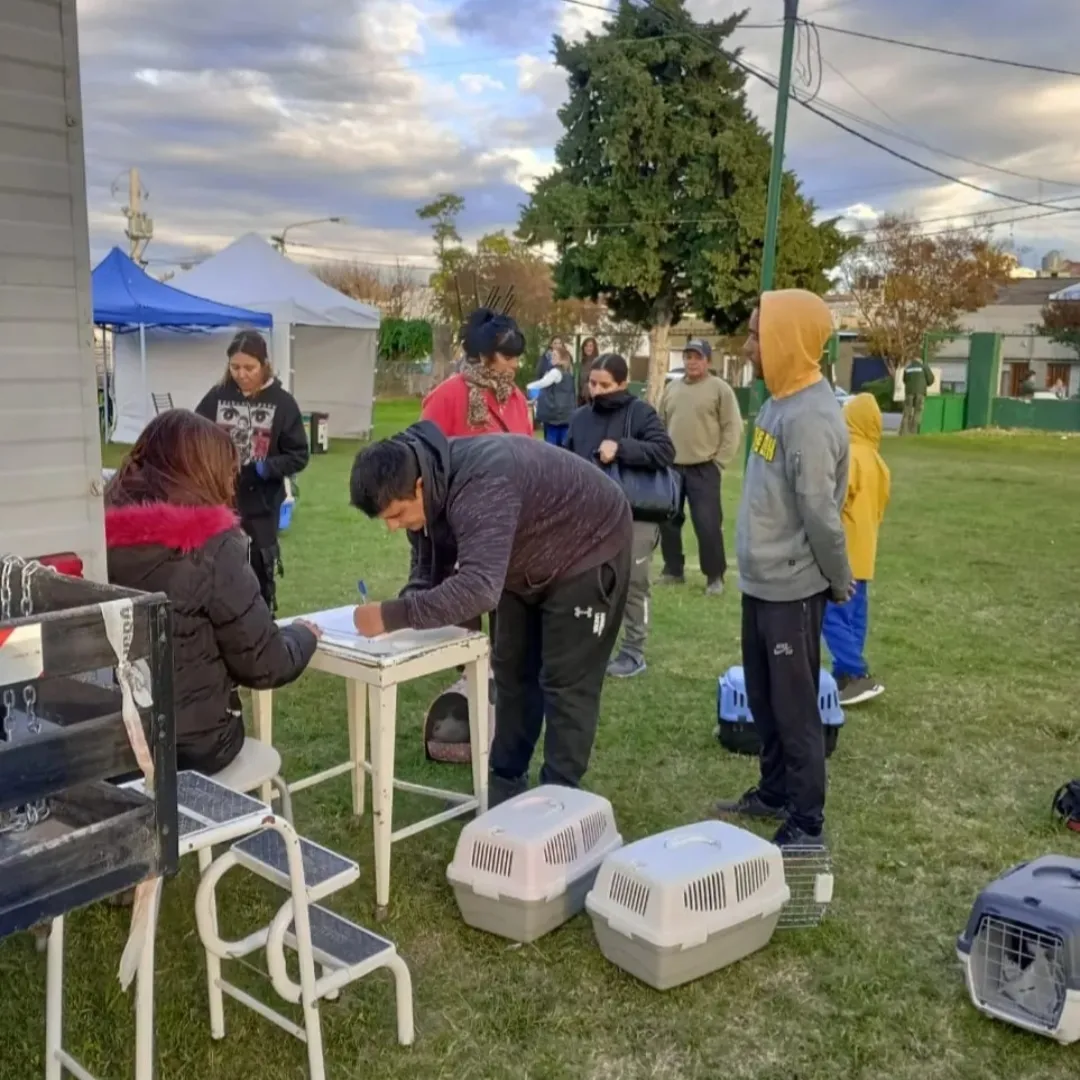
[362, 588]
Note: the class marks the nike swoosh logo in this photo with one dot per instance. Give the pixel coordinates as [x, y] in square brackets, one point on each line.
[638, 562]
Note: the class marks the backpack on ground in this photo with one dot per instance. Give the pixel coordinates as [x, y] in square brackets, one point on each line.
[1067, 805]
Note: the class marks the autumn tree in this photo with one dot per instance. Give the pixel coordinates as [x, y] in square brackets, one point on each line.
[657, 202]
[1061, 323]
[907, 284]
[397, 291]
[443, 213]
[504, 270]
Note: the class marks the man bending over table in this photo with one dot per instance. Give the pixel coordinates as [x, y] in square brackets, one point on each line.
[510, 524]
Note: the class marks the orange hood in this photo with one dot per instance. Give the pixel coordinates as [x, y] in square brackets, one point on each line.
[794, 326]
[863, 417]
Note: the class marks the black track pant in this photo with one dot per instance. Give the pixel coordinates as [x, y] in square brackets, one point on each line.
[701, 489]
[265, 555]
[781, 647]
[551, 654]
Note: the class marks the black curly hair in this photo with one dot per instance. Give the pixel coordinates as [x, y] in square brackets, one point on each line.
[488, 332]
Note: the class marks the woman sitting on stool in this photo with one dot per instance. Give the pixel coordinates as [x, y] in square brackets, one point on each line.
[170, 527]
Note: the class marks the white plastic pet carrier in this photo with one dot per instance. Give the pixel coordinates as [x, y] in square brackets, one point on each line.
[1021, 948]
[523, 868]
[674, 907]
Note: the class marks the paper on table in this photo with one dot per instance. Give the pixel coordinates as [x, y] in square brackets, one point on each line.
[338, 629]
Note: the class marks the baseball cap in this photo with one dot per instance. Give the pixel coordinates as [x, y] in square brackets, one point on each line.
[698, 345]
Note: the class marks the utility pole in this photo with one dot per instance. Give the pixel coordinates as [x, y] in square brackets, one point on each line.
[140, 227]
[758, 391]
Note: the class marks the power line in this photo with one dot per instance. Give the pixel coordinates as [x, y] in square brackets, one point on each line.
[1002, 61]
[915, 141]
[615, 11]
[770, 80]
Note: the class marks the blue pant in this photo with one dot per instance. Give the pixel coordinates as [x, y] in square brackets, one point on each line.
[556, 434]
[845, 629]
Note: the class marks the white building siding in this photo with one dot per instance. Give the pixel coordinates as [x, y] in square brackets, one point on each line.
[50, 453]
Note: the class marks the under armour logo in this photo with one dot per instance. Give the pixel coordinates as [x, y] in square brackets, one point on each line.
[783, 649]
[599, 619]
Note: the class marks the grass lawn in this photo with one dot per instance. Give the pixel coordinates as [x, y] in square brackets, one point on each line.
[935, 789]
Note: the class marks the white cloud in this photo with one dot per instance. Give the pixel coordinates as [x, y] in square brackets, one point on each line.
[473, 83]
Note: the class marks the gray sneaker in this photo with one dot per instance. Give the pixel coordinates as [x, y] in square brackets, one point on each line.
[625, 666]
[856, 691]
[715, 587]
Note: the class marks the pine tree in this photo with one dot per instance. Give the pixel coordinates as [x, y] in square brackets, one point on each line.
[657, 201]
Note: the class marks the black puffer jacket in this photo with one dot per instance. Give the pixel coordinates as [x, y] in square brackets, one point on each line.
[645, 444]
[223, 634]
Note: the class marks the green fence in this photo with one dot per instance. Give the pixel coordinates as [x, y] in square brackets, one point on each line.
[944, 413]
[1039, 414]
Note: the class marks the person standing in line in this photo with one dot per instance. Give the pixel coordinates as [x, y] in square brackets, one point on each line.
[590, 353]
[867, 497]
[547, 359]
[481, 399]
[558, 398]
[618, 427]
[263, 420]
[792, 558]
[513, 524]
[918, 378]
[701, 414]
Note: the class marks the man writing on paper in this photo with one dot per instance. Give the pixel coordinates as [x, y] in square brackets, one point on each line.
[538, 535]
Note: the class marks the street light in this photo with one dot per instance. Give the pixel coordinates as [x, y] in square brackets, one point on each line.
[279, 240]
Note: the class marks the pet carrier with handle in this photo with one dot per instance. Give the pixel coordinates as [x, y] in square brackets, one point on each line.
[684, 903]
[523, 868]
[735, 723]
[1021, 948]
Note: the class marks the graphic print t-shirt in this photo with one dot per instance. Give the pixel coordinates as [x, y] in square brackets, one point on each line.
[250, 424]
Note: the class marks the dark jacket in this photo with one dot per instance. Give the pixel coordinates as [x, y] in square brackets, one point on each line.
[646, 446]
[504, 513]
[223, 634]
[556, 403]
[267, 428]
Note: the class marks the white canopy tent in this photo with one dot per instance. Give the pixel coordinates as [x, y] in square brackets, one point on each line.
[323, 345]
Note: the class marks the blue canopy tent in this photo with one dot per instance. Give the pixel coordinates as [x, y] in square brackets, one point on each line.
[127, 299]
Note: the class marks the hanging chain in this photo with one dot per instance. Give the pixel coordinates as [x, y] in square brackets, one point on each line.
[9, 713]
[5, 586]
[20, 819]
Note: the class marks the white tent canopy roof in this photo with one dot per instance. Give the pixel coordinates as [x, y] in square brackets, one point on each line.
[252, 269]
[1072, 292]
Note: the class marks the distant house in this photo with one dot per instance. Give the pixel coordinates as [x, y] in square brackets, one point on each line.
[1016, 313]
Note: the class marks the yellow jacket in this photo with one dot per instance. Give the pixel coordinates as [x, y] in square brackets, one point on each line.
[868, 485]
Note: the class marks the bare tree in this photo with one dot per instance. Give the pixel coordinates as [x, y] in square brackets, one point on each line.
[396, 291]
[907, 284]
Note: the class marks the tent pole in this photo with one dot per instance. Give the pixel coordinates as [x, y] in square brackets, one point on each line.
[142, 366]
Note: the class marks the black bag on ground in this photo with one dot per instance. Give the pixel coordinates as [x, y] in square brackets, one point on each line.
[1066, 805]
[654, 494]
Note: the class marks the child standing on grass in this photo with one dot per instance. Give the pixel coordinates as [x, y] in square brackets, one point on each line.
[845, 625]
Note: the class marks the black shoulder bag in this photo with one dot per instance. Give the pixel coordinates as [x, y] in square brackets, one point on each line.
[654, 494]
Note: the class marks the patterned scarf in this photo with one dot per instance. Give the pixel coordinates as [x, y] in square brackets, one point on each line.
[479, 378]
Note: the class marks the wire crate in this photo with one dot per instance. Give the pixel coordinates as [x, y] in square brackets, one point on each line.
[1021, 948]
[69, 838]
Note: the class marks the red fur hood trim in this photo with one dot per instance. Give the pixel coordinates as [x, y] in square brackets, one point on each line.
[182, 528]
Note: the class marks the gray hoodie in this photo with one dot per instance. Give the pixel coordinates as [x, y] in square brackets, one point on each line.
[790, 539]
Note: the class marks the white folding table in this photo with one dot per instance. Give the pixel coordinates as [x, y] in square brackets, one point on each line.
[373, 668]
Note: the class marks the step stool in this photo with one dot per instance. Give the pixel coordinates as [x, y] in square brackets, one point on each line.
[343, 951]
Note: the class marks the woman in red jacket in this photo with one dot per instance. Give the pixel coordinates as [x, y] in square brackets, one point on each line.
[483, 399]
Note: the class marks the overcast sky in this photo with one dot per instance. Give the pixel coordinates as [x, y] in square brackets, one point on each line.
[246, 116]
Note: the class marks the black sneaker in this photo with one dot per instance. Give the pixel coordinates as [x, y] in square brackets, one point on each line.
[789, 835]
[750, 805]
[854, 691]
[671, 579]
